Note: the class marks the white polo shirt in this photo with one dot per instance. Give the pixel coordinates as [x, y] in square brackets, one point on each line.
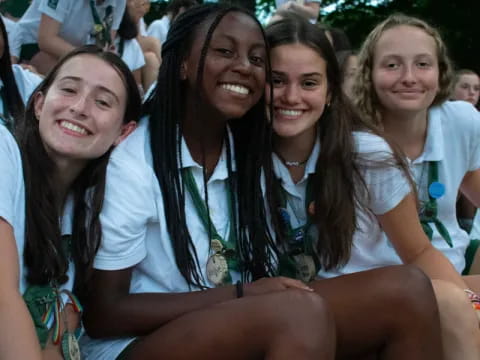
[134, 229]
[453, 135]
[132, 53]
[75, 17]
[159, 29]
[12, 202]
[26, 81]
[386, 185]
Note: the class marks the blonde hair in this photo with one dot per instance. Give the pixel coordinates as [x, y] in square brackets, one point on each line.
[364, 94]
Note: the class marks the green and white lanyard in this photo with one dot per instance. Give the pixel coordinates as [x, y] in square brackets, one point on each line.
[101, 29]
[45, 305]
[429, 212]
[224, 257]
[299, 261]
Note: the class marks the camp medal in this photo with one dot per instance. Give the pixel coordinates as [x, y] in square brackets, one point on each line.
[216, 245]
[70, 347]
[217, 269]
[305, 267]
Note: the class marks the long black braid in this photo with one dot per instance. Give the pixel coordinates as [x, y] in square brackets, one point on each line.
[252, 139]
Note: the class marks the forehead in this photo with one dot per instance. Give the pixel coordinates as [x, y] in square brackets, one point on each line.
[93, 70]
[297, 59]
[239, 27]
[405, 40]
[470, 78]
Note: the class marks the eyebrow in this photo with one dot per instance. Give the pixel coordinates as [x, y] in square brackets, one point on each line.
[101, 87]
[234, 40]
[276, 72]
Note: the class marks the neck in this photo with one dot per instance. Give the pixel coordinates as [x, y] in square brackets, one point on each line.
[65, 174]
[204, 137]
[295, 149]
[409, 131]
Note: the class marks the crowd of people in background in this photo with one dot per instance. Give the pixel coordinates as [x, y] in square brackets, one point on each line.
[210, 187]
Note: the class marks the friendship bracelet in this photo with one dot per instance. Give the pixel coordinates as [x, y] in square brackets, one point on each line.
[239, 288]
[474, 298]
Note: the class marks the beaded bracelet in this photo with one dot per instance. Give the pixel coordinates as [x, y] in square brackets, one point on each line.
[474, 299]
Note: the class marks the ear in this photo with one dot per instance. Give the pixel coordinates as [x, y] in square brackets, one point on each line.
[38, 101]
[126, 130]
[328, 99]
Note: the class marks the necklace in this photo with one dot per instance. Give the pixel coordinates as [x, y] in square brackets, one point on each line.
[292, 163]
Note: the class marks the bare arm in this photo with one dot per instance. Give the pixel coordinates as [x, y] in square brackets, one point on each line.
[470, 187]
[49, 40]
[18, 339]
[112, 311]
[403, 228]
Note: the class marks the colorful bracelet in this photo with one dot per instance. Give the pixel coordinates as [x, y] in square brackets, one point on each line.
[474, 299]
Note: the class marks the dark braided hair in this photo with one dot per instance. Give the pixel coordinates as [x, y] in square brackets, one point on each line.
[12, 101]
[45, 256]
[252, 141]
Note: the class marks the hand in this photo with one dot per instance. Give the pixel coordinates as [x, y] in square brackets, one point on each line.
[268, 285]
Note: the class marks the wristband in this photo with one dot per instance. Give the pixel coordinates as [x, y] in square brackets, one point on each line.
[239, 288]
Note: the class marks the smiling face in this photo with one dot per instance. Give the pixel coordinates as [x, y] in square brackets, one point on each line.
[234, 72]
[467, 88]
[405, 70]
[300, 89]
[81, 115]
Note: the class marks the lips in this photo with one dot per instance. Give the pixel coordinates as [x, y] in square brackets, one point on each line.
[73, 128]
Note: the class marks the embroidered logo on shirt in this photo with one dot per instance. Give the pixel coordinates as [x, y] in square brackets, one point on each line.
[52, 4]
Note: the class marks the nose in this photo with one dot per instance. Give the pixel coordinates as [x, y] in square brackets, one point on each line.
[408, 76]
[291, 94]
[79, 107]
[242, 65]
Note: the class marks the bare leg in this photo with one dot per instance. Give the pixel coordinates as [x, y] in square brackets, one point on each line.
[390, 311]
[291, 324]
[459, 324]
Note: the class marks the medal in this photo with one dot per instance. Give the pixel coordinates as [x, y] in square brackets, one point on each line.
[217, 269]
[216, 245]
[305, 267]
[70, 348]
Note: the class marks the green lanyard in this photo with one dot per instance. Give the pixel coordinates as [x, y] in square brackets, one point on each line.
[227, 248]
[44, 304]
[430, 210]
[299, 242]
[101, 28]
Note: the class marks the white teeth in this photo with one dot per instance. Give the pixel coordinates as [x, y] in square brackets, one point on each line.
[290, 112]
[73, 127]
[236, 88]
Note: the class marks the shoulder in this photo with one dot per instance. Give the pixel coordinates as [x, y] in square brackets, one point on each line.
[369, 143]
[456, 114]
[8, 145]
[26, 81]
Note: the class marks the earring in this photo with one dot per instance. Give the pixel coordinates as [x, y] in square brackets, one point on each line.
[183, 72]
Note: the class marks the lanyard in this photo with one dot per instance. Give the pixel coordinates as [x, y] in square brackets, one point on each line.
[430, 210]
[299, 261]
[218, 244]
[101, 28]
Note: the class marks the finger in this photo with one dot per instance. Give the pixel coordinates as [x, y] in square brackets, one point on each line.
[294, 283]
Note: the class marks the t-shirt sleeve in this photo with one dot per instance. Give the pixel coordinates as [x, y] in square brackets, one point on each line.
[138, 59]
[56, 9]
[118, 13]
[386, 183]
[26, 81]
[127, 209]
[11, 171]
[474, 120]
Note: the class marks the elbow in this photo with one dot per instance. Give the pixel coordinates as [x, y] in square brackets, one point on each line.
[97, 323]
